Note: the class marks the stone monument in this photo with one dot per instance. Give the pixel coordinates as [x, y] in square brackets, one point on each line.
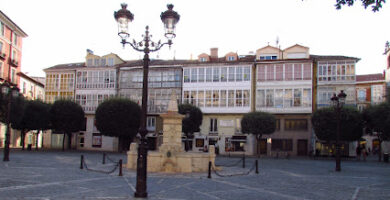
[170, 157]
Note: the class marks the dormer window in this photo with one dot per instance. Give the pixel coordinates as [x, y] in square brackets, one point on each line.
[110, 61]
[96, 63]
[103, 61]
[268, 57]
[231, 58]
[202, 59]
[89, 62]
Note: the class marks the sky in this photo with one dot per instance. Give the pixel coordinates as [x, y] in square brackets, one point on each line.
[59, 32]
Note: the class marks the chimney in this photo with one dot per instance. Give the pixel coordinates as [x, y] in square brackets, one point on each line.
[214, 53]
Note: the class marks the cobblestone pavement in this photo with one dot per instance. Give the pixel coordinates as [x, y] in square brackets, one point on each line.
[57, 175]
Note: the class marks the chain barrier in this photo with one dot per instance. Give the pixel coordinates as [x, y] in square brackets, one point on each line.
[238, 174]
[111, 160]
[100, 171]
[231, 165]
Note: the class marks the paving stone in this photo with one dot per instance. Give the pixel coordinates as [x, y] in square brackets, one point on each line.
[46, 175]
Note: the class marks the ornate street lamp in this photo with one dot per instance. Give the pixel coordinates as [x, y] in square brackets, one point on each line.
[338, 103]
[10, 92]
[170, 19]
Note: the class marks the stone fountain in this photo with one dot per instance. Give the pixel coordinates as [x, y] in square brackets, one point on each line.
[170, 157]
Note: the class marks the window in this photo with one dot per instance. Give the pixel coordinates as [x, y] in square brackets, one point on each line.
[295, 125]
[247, 73]
[201, 74]
[110, 61]
[277, 124]
[269, 98]
[13, 75]
[288, 98]
[231, 58]
[306, 98]
[231, 74]
[297, 97]
[224, 74]
[96, 140]
[245, 98]
[260, 98]
[261, 73]
[279, 98]
[208, 98]
[151, 124]
[89, 62]
[202, 59]
[193, 98]
[14, 38]
[230, 98]
[201, 98]
[194, 75]
[96, 62]
[216, 98]
[186, 75]
[223, 98]
[281, 145]
[103, 61]
[213, 125]
[268, 57]
[270, 72]
[239, 72]
[2, 29]
[24, 90]
[216, 74]
[297, 71]
[238, 98]
[1, 47]
[209, 74]
[288, 70]
[361, 95]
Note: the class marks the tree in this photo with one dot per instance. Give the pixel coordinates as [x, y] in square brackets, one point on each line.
[68, 117]
[324, 122]
[191, 122]
[258, 124]
[36, 117]
[17, 111]
[376, 5]
[377, 122]
[119, 118]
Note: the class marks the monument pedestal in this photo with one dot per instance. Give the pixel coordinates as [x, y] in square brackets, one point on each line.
[170, 157]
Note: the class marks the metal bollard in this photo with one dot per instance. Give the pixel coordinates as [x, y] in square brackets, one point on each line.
[209, 176]
[81, 162]
[104, 158]
[257, 166]
[243, 160]
[120, 167]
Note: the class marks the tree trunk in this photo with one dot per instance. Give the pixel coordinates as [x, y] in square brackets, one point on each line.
[69, 140]
[258, 137]
[36, 141]
[23, 137]
[380, 150]
[63, 143]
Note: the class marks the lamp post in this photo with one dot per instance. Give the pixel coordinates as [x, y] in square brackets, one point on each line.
[10, 92]
[338, 103]
[123, 17]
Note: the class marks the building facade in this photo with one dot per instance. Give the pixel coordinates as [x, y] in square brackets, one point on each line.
[11, 40]
[284, 88]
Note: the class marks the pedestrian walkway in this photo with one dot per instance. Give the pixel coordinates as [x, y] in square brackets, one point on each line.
[57, 175]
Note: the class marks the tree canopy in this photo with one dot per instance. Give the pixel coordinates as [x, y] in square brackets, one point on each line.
[191, 123]
[119, 118]
[324, 122]
[66, 116]
[376, 5]
[258, 123]
[36, 115]
[377, 118]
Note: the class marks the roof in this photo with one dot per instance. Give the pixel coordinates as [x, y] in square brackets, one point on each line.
[12, 25]
[330, 57]
[66, 66]
[21, 74]
[370, 77]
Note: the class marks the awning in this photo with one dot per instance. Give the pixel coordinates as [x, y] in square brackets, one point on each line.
[238, 138]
